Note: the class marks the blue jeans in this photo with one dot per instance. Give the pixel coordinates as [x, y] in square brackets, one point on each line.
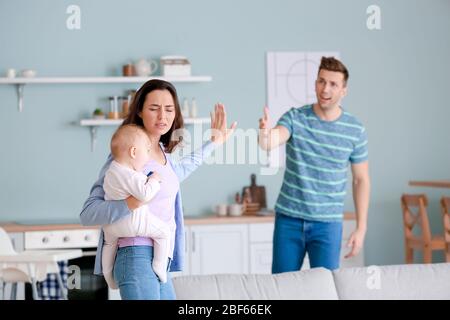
[294, 237]
[135, 277]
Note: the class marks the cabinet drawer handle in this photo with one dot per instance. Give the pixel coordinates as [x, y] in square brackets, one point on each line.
[193, 241]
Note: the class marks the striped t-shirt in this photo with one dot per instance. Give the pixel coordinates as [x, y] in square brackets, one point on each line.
[317, 156]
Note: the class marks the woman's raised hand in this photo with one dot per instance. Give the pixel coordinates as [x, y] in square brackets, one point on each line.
[219, 131]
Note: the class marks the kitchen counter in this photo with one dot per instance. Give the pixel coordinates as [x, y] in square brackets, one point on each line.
[200, 220]
[18, 227]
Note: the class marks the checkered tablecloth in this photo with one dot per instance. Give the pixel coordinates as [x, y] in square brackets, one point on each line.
[49, 288]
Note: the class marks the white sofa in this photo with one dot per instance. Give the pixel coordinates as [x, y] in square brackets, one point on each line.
[403, 282]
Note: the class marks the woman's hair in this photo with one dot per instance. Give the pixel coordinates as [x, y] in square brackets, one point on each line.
[138, 103]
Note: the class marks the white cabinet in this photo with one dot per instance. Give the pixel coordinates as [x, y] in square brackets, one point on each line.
[62, 239]
[17, 240]
[218, 249]
[260, 258]
[260, 244]
[260, 237]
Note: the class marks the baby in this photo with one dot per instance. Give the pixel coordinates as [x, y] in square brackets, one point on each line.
[130, 147]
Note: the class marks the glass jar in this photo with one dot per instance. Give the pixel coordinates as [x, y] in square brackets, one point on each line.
[126, 102]
[128, 70]
[125, 106]
[113, 107]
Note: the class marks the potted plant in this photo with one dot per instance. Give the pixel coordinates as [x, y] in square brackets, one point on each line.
[98, 114]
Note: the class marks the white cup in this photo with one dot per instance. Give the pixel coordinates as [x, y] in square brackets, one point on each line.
[235, 209]
[221, 210]
[11, 73]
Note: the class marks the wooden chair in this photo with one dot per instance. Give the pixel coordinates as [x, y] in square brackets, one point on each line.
[414, 207]
[445, 206]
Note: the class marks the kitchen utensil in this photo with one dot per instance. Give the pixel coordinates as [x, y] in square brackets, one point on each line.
[257, 193]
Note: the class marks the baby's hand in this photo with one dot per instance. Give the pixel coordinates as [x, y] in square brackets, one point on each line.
[155, 176]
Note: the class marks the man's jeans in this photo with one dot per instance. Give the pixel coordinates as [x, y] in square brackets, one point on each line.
[293, 237]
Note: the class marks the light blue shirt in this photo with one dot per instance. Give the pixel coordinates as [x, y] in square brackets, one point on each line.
[317, 157]
[97, 211]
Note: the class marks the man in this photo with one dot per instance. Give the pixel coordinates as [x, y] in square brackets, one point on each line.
[321, 139]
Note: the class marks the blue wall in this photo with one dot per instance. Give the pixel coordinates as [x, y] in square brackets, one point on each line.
[398, 88]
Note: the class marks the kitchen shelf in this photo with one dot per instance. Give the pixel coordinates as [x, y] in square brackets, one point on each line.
[93, 125]
[100, 122]
[20, 82]
[54, 80]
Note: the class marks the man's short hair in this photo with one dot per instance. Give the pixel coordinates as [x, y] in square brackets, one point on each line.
[124, 138]
[333, 64]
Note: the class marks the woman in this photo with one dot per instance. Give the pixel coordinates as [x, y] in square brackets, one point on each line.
[156, 108]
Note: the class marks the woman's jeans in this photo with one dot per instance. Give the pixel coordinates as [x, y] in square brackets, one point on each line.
[135, 277]
[293, 237]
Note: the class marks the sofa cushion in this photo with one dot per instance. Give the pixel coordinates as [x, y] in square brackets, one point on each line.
[402, 282]
[308, 284]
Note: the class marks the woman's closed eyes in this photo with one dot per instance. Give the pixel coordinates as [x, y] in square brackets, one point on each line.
[156, 107]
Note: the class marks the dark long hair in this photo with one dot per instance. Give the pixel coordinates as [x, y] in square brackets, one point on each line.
[138, 103]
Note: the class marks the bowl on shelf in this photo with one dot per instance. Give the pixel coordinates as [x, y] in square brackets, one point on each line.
[28, 73]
